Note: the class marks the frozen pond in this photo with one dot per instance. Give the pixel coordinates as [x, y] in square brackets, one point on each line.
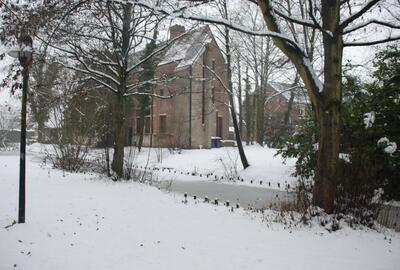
[246, 196]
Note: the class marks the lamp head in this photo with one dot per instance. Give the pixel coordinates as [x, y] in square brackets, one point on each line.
[24, 50]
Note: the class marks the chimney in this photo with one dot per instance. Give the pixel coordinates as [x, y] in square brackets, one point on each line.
[176, 30]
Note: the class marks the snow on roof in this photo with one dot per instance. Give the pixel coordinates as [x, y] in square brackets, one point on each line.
[185, 50]
[300, 94]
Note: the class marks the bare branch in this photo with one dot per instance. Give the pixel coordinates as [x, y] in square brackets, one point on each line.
[223, 22]
[369, 43]
[300, 21]
[373, 21]
[358, 14]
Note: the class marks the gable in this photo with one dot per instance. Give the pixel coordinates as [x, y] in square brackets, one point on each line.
[184, 51]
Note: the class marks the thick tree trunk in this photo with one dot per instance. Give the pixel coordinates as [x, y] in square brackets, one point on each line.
[324, 192]
[328, 113]
[326, 102]
[119, 109]
[119, 118]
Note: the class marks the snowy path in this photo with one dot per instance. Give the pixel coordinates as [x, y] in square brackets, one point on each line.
[79, 221]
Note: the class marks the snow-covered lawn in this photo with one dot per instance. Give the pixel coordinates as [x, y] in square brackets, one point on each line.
[81, 221]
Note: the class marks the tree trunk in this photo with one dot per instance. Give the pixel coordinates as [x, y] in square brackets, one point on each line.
[324, 192]
[326, 102]
[260, 116]
[286, 128]
[107, 154]
[141, 131]
[328, 113]
[40, 131]
[119, 109]
[240, 98]
[242, 155]
[118, 157]
[248, 111]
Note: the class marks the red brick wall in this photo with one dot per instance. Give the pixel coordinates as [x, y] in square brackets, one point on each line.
[176, 109]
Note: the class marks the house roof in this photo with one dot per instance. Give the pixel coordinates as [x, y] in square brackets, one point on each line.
[187, 49]
[184, 50]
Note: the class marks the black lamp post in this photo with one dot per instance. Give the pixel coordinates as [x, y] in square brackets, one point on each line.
[24, 54]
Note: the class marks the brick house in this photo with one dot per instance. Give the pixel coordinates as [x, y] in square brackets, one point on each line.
[279, 118]
[194, 108]
[278, 96]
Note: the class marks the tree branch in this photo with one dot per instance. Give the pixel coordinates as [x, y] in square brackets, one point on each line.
[369, 43]
[298, 58]
[303, 22]
[373, 21]
[223, 22]
[358, 14]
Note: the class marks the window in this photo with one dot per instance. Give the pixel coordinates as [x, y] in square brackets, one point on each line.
[219, 126]
[162, 123]
[213, 65]
[137, 125]
[213, 95]
[147, 122]
[161, 92]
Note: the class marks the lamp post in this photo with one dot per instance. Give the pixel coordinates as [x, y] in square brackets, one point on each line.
[24, 54]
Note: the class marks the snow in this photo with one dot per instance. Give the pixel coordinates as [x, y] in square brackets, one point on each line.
[187, 49]
[393, 203]
[369, 119]
[390, 147]
[345, 157]
[82, 221]
[383, 140]
[314, 76]
[221, 162]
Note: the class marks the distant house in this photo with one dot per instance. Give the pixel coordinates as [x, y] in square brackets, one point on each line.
[278, 99]
[193, 73]
[283, 107]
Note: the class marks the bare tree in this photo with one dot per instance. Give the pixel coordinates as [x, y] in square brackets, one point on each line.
[263, 59]
[326, 96]
[227, 42]
[102, 46]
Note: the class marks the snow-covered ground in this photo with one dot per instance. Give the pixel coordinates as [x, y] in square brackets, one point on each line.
[195, 165]
[83, 221]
